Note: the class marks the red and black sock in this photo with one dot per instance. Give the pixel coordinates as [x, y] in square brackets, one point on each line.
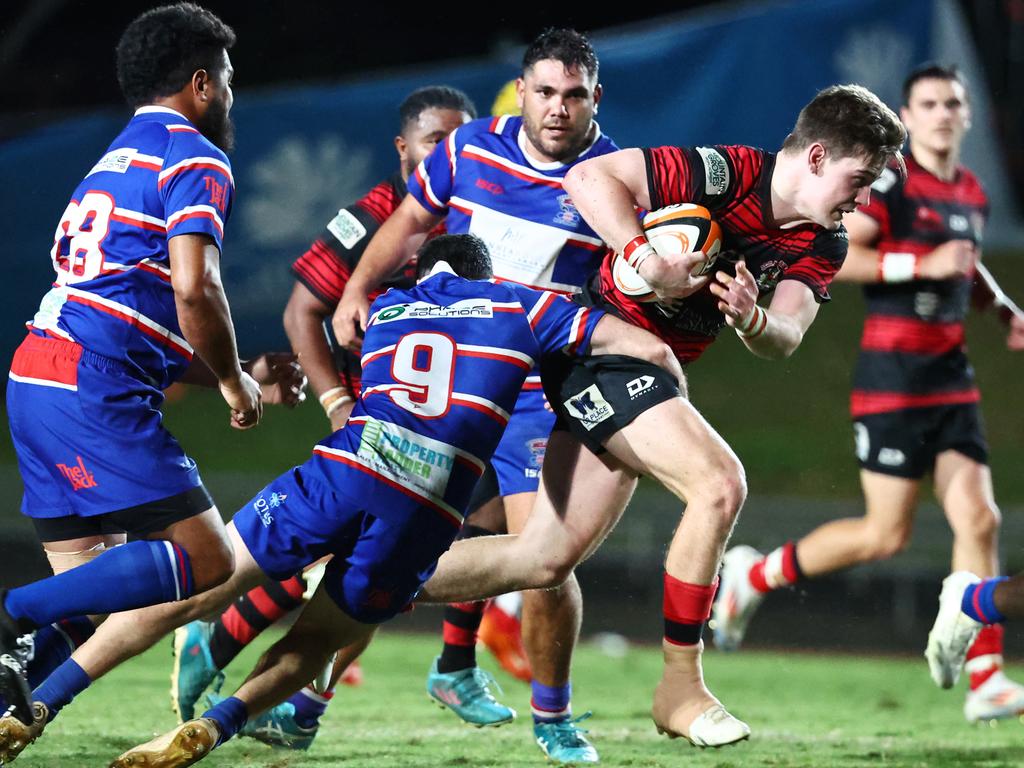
[686, 607]
[779, 568]
[985, 656]
[461, 623]
[251, 614]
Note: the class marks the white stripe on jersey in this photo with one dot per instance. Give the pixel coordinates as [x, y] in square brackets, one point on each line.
[369, 356]
[511, 354]
[140, 217]
[152, 159]
[542, 304]
[472, 150]
[464, 398]
[502, 121]
[191, 209]
[168, 334]
[452, 154]
[191, 161]
[42, 382]
[427, 188]
[574, 329]
[150, 264]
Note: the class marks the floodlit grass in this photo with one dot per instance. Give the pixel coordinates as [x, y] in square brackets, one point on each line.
[805, 710]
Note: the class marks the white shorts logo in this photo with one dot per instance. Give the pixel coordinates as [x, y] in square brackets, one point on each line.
[861, 441]
[891, 457]
[639, 385]
[589, 407]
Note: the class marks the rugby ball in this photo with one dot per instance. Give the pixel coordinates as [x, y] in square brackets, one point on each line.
[674, 229]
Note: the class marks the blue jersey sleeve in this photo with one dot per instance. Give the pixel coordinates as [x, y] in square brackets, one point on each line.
[431, 182]
[558, 323]
[197, 188]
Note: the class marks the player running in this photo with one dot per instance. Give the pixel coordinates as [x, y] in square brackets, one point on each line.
[780, 216]
[136, 305]
[443, 364]
[201, 649]
[914, 402]
[501, 179]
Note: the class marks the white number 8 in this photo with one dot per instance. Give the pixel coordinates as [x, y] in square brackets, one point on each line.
[425, 363]
[77, 253]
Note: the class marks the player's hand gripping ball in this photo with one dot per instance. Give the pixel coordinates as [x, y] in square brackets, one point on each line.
[672, 231]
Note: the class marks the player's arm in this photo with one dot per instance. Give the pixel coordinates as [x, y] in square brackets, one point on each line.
[773, 333]
[393, 245]
[865, 263]
[205, 321]
[605, 190]
[988, 294]
[303, 322]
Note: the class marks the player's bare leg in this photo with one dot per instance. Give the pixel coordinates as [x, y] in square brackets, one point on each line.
[674, 444]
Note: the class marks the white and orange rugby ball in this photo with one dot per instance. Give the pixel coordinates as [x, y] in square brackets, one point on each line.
[672, 230]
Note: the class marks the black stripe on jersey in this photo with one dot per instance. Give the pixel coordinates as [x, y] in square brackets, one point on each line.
[911, 373]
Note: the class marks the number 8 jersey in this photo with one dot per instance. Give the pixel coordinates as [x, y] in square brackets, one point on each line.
[443, 364]
[112, 294]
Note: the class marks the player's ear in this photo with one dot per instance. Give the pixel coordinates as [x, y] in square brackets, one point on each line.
[816, 155]
[402, 148]
[520, 92]
[201, 85]
[598, 91]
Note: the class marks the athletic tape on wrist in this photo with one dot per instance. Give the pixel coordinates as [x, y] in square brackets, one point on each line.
[337, 403]
[330, 394]
[897, 267]
[637, 251]
[754, 324]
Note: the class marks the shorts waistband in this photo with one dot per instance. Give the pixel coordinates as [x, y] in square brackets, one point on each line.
[70, 350]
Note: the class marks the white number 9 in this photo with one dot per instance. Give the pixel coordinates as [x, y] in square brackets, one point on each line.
[425, 363]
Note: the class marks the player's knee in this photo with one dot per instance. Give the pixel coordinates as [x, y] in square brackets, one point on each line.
[978, 521]
[884, 542]
[554, 571]
[726, 489]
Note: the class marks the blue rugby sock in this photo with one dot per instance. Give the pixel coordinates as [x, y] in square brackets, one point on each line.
[54, 645]
[310, 706]
[230, 716]
[550, 703]
[979, 601]
[66, 682]
[130, 576]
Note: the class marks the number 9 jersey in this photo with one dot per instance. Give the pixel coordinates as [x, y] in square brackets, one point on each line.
[112, 293]
[443, 364]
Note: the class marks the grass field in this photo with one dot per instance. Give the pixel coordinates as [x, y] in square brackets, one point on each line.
[805, 710]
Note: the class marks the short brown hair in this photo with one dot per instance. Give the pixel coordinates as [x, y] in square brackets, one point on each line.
[850, 121]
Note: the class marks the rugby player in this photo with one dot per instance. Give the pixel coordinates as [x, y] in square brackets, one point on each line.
[136, 305]
[780, 215]
[443, 365]
[500, 178]
[914, 403]
[201, 649]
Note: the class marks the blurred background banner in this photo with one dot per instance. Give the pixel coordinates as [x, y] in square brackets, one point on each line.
[734, 74]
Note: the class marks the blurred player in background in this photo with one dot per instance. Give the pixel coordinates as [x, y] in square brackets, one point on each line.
[201, 649]
[780, 214]
[500, 178]
[915, 248]
[137, 304]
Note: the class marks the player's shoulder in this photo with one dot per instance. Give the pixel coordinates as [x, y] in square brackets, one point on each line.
[184, 144]
[381, 200]
[506, 126]
[969, 180]
[831, 243]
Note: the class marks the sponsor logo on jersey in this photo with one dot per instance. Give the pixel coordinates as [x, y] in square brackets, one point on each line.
[347, 228]
[263, 506]
[639, 385]
[76, 474]
[115, 161]
[884, 182]
[771, 273]
[891, 457]
[959, 223]
[568, 216]
[716, 171]
[490, 186]
[926, 304]
[218, 192]
[536, 448]
[589, 407]
[417, 310]
[407, 457]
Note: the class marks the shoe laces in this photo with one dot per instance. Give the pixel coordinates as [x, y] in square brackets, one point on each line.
[476, 686]
[568, 732]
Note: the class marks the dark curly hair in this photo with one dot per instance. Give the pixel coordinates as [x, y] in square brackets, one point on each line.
[568, 46]
[433, 96]
[162, 48]
[466, 254]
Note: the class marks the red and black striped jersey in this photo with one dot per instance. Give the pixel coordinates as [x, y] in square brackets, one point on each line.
[734, 183]
[912, 348]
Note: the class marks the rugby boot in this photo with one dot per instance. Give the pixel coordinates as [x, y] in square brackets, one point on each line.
[737, 598]
[998, 698]
[502, 634]
[16, 735]
[565, 742]
[467, 694]
[185, 744]
[684, 707]
[276, 726]
[193, 670]
[952, 633]
[15, 654]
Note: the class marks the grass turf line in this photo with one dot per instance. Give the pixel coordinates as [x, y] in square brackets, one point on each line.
[805, 710]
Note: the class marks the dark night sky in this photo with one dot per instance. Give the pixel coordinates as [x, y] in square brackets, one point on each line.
[59, 54]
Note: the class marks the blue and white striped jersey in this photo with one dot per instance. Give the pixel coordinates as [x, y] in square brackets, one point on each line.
[112, 294]
[443, 363]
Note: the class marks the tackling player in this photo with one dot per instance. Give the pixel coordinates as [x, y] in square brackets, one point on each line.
[137, 304]
[501, 179]
[201, 649]
[780, 216]
[914, 403]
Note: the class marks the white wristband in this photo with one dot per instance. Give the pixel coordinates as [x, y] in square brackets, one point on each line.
[753, 325]
[336, 404]
[331, 393]
[898, 267]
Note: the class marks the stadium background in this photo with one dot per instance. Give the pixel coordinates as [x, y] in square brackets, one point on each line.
[316, 94]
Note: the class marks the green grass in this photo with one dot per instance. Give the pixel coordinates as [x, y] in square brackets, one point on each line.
[805, 710]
